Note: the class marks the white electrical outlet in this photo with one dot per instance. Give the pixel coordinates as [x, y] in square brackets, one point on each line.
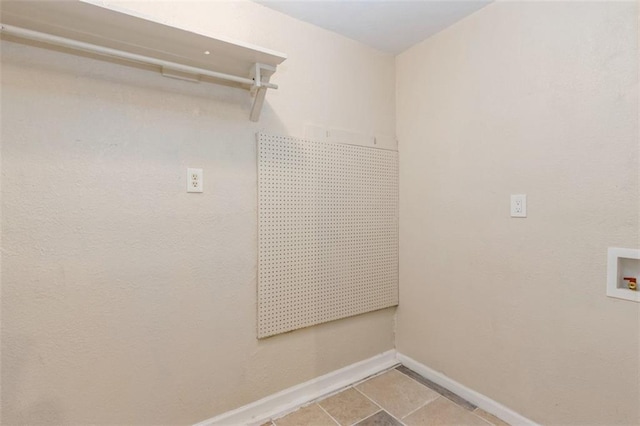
[519, 205]
[195, 180]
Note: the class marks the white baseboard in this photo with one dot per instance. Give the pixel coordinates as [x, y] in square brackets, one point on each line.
[476, 398]
[281, 403]
[288, 400]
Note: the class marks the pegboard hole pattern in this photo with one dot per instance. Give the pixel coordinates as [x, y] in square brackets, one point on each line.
[328, 232]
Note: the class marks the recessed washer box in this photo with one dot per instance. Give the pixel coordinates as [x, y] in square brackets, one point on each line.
[623, 263]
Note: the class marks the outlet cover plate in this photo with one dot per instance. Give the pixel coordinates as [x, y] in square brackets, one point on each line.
[519, 205]
[195, 180]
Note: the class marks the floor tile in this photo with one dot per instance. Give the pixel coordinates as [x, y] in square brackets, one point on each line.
[490, 418]
[311, 415]
[443, 412]
[397, 393]
[381, 418]
[436, 387]
[349, 406]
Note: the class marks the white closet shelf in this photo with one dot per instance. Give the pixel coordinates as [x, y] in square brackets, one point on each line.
[89, 27]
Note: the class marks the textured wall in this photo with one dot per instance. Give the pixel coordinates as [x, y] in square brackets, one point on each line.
[523, 97]
[126, 300]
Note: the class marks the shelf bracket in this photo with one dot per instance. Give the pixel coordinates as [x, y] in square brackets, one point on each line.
[261, 74]
[257, 81]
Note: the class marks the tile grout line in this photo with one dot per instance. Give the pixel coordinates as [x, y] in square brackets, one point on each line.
[361, 420]
[344, 390]
[327, 413]
[352, 385]
[424, 386]
[370, 400]
[447, 395]
[367, 396]
[482, 418]
[422, 406]
[338, 391]
[399, 420]
[381, 409]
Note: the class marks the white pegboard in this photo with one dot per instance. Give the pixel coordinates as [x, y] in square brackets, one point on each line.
[328, 232]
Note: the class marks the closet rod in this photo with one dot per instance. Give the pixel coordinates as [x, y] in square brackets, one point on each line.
[119, 54]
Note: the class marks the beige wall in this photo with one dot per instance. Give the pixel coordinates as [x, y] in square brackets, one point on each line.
[129, 301]
[523, 97]
[126, 300]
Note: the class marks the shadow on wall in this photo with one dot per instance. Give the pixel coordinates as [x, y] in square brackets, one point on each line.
[225, 98]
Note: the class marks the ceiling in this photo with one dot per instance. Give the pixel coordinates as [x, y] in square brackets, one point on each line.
[388, 25]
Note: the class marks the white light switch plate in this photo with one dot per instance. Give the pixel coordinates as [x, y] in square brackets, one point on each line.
[519, 205]
[195, 180]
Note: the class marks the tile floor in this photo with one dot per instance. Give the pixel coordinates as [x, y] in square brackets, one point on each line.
[398, 397]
